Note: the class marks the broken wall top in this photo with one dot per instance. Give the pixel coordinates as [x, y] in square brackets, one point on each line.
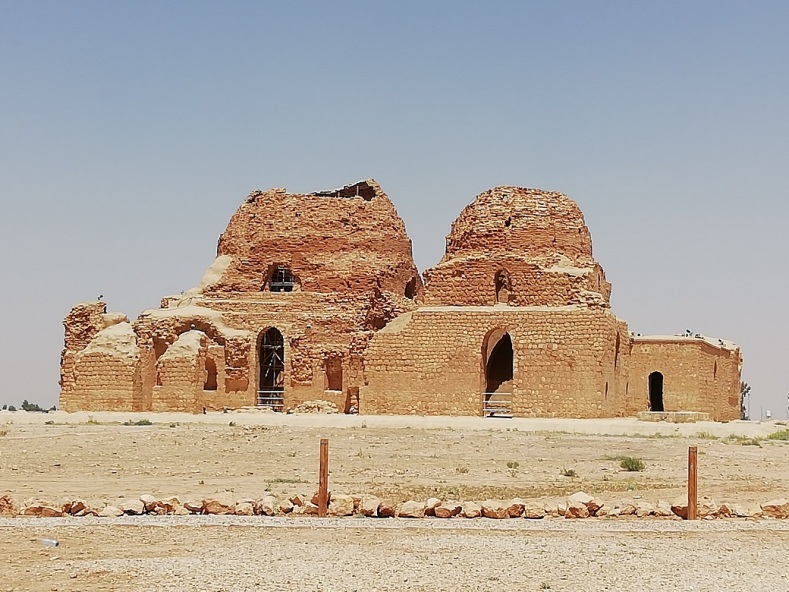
[348, 239]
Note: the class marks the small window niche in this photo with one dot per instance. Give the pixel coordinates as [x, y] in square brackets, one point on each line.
[502, 286]
[283, 280]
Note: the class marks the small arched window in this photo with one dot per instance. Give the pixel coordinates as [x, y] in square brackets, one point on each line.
[282, 279]
[502, 285]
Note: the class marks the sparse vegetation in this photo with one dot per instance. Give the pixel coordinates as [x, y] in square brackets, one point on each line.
[92, 420]
[706, 436]
[286, 480]
[513, 464]
[461, 470]
[565, 472]
[780, 435]
[232, 424]
[632, 464]
[139, 422]
[745, 396]
[3, 433]
[49, 422]
[743, 440]
[173, 425]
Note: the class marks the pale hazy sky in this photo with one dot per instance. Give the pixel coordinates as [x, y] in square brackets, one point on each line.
[132, 131]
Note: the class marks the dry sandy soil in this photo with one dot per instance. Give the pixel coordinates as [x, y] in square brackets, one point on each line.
[96, 458]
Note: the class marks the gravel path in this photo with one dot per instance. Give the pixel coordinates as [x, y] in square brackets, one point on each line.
[213, 553]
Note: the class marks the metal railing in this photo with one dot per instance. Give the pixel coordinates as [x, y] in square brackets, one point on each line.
[271, 398]
[497, 404]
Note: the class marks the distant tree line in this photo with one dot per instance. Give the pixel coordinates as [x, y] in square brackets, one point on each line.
[27, 406]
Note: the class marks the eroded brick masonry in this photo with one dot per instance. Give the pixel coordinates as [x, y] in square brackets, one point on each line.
[316, 297]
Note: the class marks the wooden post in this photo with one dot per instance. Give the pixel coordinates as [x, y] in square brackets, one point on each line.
[692, 482]
[323, 479]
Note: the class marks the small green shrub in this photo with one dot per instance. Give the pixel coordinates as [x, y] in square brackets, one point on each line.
[706, 436]
[780, 435]
[139, 422]
[565, 472]
[461, 470]
[513, 464]
[632, 464]
[743, 440]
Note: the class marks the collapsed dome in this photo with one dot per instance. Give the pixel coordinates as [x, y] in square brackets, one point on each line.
[347, 239]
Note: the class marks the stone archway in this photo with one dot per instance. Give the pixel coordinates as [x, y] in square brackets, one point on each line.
[498, 359]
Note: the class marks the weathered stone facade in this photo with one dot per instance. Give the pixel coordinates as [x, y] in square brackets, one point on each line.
[316, 297]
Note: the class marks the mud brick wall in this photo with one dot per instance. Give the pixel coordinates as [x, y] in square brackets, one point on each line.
[330, 276]
[535, 241]
[431, 362]
[333, 242]
[697, 376]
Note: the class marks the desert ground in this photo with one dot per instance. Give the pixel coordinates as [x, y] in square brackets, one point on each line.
[94, 457]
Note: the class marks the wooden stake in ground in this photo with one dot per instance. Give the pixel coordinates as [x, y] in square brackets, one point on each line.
[692, 482]
[323, 479]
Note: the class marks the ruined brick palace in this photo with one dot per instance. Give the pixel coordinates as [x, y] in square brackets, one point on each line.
[316, 297]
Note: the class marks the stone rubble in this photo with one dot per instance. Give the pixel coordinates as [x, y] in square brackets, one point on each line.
[577, 505]
[316, 407]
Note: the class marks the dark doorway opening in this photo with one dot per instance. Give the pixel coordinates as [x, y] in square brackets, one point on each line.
[334, 373]
[656, 392]
[498, 358]
[272, 370]
[210, 375]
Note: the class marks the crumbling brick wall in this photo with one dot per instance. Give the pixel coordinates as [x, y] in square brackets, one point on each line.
[520, 247]
[332, 273]
[350, 272]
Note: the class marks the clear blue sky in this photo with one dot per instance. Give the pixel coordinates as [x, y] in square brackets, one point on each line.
[132, 131]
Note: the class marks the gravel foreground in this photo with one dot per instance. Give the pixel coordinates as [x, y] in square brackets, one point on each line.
[224, 554]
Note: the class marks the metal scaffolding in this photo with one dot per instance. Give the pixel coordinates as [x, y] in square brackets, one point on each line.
[272, 370]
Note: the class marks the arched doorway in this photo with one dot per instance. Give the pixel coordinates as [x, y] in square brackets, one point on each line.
[271, 385]
[656, 391]
[499, 362]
